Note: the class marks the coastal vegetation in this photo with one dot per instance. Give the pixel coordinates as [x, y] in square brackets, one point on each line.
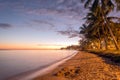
[101, 30]
[72, 47]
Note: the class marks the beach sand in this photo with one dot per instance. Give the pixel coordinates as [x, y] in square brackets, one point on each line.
[84, 66]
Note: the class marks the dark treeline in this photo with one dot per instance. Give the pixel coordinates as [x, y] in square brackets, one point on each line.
[72, 47]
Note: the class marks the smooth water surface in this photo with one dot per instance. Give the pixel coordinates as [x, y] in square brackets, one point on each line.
[14, 62]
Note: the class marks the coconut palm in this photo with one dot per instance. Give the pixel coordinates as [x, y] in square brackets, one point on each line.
[106, 7]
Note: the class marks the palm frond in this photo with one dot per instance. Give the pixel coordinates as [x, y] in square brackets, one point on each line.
[87, 3]
[94, 5]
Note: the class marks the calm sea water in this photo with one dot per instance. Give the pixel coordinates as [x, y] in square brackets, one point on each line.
[14, 62]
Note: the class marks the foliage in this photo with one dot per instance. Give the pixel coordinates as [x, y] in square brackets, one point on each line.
[72, 47]
[99, 29]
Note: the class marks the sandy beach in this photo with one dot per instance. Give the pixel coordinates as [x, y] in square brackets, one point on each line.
[84, 66]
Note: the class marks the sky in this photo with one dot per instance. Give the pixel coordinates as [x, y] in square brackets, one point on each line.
[40, 24]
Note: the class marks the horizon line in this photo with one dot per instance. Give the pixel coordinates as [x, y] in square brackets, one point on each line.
[30, 49]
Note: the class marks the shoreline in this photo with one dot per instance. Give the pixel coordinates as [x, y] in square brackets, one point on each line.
[29, 75]
[84, 66]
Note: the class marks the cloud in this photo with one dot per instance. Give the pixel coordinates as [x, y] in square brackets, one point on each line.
[66, 8]
[61, 7]
[67, 11]
[43, 22]
[5, 25]
[70, 32]
[41, 25]
[60, 1]
[72, 9]
[62, 13]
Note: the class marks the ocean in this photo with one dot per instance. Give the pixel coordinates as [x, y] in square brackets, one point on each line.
[16, 62]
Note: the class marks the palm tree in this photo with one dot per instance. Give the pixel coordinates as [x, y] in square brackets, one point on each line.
[91, 35]
[96, 26]
[106, 7]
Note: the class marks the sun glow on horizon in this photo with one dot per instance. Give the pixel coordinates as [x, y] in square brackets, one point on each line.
[16, 46]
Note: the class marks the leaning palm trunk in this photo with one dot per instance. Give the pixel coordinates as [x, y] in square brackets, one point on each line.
[111, 33]
[104, 13]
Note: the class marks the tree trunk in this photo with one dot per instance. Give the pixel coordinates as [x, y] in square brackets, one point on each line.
[112, 35]
[99, 44]
[105, 39]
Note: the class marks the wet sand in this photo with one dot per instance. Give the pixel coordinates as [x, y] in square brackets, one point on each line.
[84, 66]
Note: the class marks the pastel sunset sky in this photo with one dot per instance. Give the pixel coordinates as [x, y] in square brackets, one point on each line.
[40, 24]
